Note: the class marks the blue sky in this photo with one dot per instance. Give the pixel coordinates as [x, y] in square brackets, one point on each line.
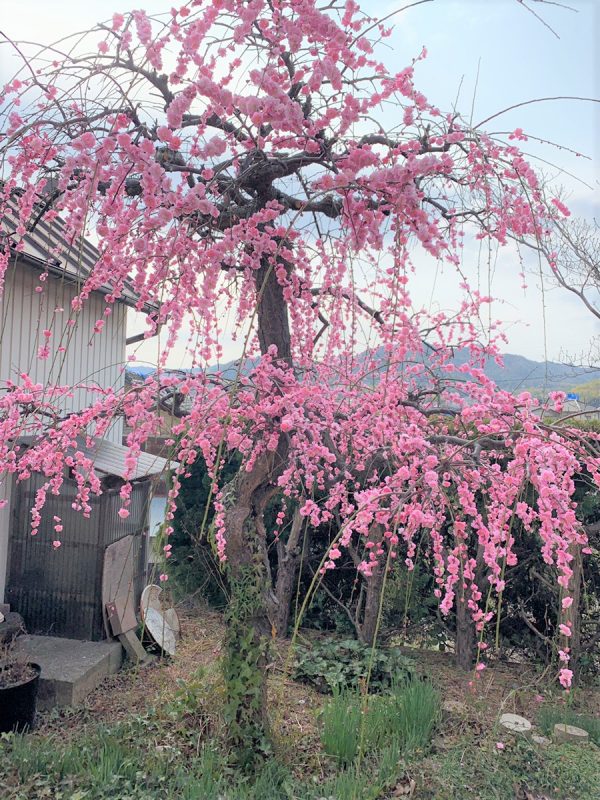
[490, 54]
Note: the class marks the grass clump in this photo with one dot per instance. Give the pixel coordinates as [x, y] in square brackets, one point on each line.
[404, 718]
[340, 735]
[417, 706]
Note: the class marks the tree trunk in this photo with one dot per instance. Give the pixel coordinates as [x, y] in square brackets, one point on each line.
[248, 630]
[572, 616]
[273, 322]
[464, 651]
[367, 615]
[284, 589]
[288, 559]
[366, 628]
[248, 626]
[465, 633]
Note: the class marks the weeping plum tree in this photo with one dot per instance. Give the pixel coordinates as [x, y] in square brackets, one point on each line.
[233, 162]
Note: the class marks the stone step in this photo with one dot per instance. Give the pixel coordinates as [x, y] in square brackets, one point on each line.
[71, 669]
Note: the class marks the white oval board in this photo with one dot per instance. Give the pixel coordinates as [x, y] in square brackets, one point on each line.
[150, 599]
[160, 630]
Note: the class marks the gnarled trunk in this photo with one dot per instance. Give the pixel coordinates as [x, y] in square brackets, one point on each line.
[465, 633]
[288, 560]
[248, 625]
[367, 612]
[248, 628]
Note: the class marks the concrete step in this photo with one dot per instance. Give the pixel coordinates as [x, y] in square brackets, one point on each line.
[71, 669]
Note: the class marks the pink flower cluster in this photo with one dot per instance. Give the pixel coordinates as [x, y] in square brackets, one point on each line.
[407, 448]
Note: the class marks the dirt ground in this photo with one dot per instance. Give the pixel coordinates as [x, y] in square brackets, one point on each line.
[501, 687]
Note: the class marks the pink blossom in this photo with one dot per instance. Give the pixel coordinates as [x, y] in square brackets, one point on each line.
[564, 656]
[200, 218]
[565, 677]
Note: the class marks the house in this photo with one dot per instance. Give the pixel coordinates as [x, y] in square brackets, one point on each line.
[573, 410]
[59, 591]
[169, 404]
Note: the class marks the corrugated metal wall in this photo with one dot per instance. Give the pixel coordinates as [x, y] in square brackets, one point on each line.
[59, 592]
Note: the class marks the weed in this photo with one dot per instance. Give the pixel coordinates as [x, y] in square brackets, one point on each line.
[389, 759]
[348, 784]
[207, 782]
[271, 783]
[26, 760]
[110, 761]
[473, 769]
[343, 663]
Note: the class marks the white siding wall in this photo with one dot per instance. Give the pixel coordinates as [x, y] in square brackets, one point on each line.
[89, 358]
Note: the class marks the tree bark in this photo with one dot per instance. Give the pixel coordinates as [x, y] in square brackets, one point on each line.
[249, 629]
[572, 616]
[367, 615]
[273, 322]
[464, 650]
[366, 628]
[465, 633]
[288, 559]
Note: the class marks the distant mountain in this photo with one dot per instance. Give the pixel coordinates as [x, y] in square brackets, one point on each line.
[134, 369]
[520, 374]
[517, 375]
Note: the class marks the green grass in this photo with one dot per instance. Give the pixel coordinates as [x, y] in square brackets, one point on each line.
[340, 735]
[405, 717]
[476, 769]
[549, 716]
[156, 756]
[418, 707]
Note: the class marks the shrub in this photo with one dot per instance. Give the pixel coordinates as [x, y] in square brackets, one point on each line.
[343, 663]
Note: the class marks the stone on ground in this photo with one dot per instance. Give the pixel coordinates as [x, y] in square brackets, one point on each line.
[571, 734]
[541, 740]
[454, 707]
[515, 724]
[71, 669]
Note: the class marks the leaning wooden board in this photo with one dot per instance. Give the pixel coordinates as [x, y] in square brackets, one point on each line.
[117, 587]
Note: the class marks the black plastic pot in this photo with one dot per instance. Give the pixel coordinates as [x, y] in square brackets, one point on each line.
[17, 704]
